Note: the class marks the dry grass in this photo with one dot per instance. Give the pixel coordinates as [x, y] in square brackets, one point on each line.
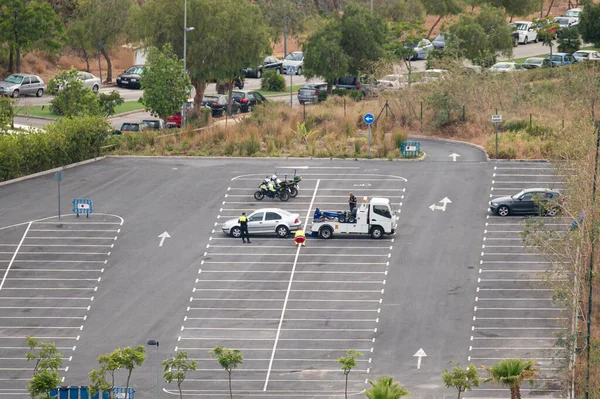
[550, 97]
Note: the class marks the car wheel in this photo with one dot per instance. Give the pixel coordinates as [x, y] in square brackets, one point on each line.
[95, 88]
[376, 232]
[282, 231]
[249, 108]
[503, 211]
[515, 42]
[39, 93]
[236, 232]
[536, 39]
[551, 212]
[119, 84]
[325, 232]
[259, 74]
[238, 110]
[15, 94]
[526, 40]
[299, 71]
[278, 71]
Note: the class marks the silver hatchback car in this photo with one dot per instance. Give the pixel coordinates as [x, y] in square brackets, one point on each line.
[22, 84]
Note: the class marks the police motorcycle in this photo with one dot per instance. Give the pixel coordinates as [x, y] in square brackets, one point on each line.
[290, 185]
[264, 190]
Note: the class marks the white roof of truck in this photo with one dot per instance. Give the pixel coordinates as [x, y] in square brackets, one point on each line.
[380, 201]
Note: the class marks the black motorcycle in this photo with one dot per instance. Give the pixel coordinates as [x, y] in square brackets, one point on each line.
[263, 191]
[291, 185]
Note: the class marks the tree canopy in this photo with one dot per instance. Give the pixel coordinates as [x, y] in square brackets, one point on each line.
[589, 24]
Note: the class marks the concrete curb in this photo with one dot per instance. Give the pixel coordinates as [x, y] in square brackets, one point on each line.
[422, 158]
[418, 136]
[41, 118]
[126, 114]
[47, 172]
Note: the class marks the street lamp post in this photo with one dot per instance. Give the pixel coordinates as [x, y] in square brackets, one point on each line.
[186, 29]
[152, 343]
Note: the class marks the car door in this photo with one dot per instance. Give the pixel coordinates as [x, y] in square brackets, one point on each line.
[569, 59]
[258, 98]
[35, 84]
[525, 204]
[251, 99]
[26, 86]
[255, 223]
[268, 64]
[272, 220]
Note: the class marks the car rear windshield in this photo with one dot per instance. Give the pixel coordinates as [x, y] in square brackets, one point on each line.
[135, 70]
[581, 54]
[562, 21]
[572, 13]
[533, 61]
[348, 81]
[14, 79]
[134, 127]
[557, 58]
[211, 98]
[238, 94]
[152, 124]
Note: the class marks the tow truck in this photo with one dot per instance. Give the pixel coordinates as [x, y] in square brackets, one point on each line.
[374, 217]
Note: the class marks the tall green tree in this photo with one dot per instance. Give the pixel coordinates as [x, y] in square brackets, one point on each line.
[176, 369]
[127, 358]
[385, 388]
[569, 41]
[26, 25]
[105, 24]
[462, 379]
[218, 48]
[165, 83]
[324, 56]
[48, 360]
[363, 38]
[520, 8]
[348, 362]
[441, 8]
[589, 23]
[512, 373]
[400, 11]
[229, 360]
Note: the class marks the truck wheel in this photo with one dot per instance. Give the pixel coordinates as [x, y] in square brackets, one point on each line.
[282, 231]
[259, 195]
[376, 232]
[325, 232]
[236, 232]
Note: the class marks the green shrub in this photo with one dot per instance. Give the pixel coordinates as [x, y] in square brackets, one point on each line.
[508, 153]
[271, 81]
[353, 94]
[251, 146]
[515, 125]
[400, 138]
[539, 131]
[322, 95]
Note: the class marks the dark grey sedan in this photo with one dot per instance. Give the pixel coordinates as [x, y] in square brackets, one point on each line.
[532, 201]
[310, 92]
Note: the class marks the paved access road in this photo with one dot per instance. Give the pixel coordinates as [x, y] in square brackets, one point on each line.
[292, 312]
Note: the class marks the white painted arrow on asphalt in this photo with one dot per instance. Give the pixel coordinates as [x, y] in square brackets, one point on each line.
[442, 208]
[454, 156]
[162, 238]
[420, 354]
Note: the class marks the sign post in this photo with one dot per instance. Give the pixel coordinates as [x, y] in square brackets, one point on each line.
[496, 119]
[291, 70]
[369, 119]
[59, 176]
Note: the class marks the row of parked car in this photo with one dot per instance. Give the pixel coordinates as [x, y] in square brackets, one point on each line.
[554, 60]
[22, 84]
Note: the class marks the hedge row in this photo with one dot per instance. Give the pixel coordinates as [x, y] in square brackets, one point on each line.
[61, 143]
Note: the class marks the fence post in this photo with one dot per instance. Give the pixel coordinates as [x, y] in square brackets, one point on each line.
[304, 105]
[530, 121]
[421, 116]
[563, 123]
[463, 118]
[344, 106]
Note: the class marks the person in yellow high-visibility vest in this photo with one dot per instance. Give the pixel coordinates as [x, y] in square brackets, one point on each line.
[299, 237]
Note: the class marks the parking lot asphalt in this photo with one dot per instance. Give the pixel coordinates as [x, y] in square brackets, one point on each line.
[514, 315]
[292, 312]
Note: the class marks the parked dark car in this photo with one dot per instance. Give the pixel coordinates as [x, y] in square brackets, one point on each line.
[560, 59]
[532, 201]
[270, 63]
[312, 93]
[248, 99]
[361, 84]
[218, 105]
[131, 78]
[439, 42]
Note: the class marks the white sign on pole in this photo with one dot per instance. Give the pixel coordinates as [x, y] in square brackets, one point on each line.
[496, 118]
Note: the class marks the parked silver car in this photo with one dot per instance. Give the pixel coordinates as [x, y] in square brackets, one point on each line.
[90, 81]
[22, 84]
[265, 221]
[310, 93]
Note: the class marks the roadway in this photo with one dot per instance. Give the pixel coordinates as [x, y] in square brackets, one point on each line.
[291, 312]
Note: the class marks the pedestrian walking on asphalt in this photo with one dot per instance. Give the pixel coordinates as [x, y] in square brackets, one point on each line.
[352, 202]
[243, 221]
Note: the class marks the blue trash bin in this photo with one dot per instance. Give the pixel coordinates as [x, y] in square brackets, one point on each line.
[54, 393]
[83, 393]
[63, 393]
[74, 392]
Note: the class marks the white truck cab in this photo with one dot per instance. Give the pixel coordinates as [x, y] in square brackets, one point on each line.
[375, 217]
